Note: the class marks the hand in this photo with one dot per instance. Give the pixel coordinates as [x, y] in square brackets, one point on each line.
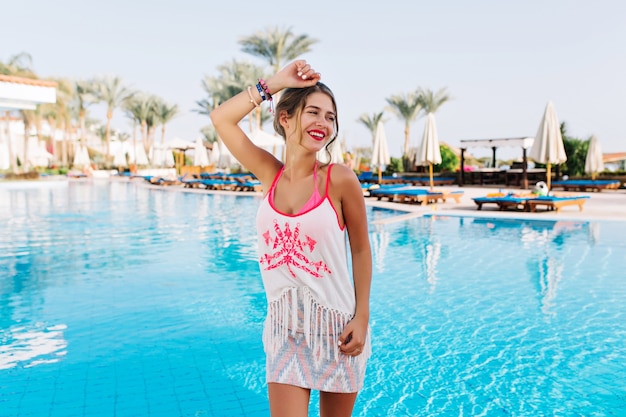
[352, 339]
[297, 74]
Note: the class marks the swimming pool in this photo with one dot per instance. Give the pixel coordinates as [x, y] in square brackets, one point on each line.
[120, 300]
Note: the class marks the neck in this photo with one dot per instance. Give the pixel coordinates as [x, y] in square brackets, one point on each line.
[297, 168]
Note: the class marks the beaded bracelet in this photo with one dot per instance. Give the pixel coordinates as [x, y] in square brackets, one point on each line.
[268, 95]
[252, 100]
[265, 88]
[261, 92]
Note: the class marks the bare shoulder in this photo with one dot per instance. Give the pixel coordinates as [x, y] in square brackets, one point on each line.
[344, 183]
[343, 175]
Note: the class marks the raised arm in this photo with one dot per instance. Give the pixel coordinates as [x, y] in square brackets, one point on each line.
[227, 116]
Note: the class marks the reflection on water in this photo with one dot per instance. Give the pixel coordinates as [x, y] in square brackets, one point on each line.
[542, 243]
[549, 276]
[379, 239]
[431, 258]
[30, 346]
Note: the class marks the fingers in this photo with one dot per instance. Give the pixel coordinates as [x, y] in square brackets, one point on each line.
[352, 347]
[305, 72]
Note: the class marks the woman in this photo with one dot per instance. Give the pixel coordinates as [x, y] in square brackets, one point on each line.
[316, 333]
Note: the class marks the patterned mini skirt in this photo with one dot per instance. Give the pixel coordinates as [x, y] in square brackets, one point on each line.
[309, 357]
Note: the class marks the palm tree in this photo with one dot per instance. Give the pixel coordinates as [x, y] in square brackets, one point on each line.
[113, 93]
[164, 114]
[19, 65]
[55, 113]
[371, 122]
[406, 107]
[431, 101]
[133, 110]
[277, 46]
[233, 77]
[138, 109]
[85, 92]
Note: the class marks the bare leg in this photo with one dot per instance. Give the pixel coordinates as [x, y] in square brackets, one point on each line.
[288, 400]
[334, 404]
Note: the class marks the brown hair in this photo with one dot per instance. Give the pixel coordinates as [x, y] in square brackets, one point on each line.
[293, 100]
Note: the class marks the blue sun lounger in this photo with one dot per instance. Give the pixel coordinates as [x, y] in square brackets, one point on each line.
[503, 202]
[531, 203]
[587, 185]
[555, 202]
[412, 194]
[423, 195]
[426, 180]
[389, 191]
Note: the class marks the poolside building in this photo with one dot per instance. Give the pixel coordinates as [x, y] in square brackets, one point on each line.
[18, 93]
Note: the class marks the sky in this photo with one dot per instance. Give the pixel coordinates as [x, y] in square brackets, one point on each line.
[501, 62]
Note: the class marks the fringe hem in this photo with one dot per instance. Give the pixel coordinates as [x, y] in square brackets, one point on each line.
[296, 310]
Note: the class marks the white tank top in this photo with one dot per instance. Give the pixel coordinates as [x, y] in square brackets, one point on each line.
[304, 266]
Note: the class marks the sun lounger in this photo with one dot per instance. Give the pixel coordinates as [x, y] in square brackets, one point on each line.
[556, 203]
[388, 191]
[219, 184]
[586, 185]
[417, 195]
[412, 194]
[367, 176]
[247, 184]
[371, 178]
[455, 195]
[164, 181]
[530, 202]
[423, 196]
[426, 180]
[503, 202]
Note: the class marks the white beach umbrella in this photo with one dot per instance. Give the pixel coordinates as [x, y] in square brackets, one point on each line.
[81, 157]
[267, 141]
[548, 145]
[137, 154]
[200, 157]
[263, 139]
[380, 153]
[5, 161]
[38, 155]
[178, 143]
[161, 156]
[594, 162]
[220, 155]
[429, 152]
[120, 156]
[336, 154]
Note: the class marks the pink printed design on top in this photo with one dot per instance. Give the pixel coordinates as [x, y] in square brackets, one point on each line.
[288, 249]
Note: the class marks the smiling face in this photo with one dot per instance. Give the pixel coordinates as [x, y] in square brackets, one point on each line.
[317, 120]
[307, 117]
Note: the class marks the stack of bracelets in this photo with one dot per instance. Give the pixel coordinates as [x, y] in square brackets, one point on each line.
[264, 92]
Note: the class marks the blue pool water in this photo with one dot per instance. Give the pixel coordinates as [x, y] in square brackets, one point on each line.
[117, 300]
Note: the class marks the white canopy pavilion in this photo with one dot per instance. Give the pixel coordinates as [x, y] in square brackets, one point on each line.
[17, 93]
[522, 142]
